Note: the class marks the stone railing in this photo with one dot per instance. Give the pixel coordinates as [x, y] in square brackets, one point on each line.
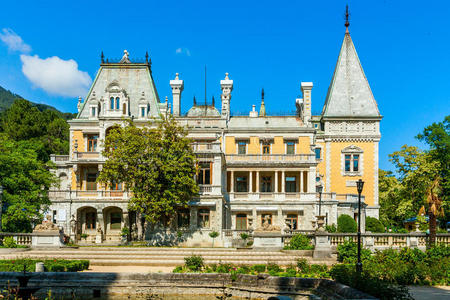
[59, 158]
[269, 158]
[87, 155]
[377, 241]
[208, 189]
[82, 194]
[24, 239]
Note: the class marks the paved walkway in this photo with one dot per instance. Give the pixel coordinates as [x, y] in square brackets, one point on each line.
[430, 292]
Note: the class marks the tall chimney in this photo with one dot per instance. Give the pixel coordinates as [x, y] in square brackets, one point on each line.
[306, 90]
[226, 86]
[177, 87]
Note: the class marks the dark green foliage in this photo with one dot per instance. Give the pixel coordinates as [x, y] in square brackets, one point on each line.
[347, 252]
[346, 224]
[194, 263]
[259, 268]
[157, 165]
[299, 242]
[331, 228]
[26, 181]
[374, 225]
[273, 269]
[50, 265]
[244, 236]
[10, 242]
[346, 274]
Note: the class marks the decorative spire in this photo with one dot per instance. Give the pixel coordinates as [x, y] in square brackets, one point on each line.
[146, 57]
[102, 58]
[195, 101]
[347, 15]
[262, 110]
[213, 101]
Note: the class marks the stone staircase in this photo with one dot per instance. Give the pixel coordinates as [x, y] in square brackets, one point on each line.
[149, 256]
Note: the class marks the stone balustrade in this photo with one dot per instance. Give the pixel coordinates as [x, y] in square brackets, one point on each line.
[24, 239]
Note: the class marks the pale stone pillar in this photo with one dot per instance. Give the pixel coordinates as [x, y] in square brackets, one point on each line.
[255, 218]
[276, 182]
[283, 181]
[301, 182]
[177, 86]
[257, 181]
[232, 182]
[250, 182]
[139, 225]
[101, 230]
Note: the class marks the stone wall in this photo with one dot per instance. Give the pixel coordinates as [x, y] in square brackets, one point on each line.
[180, 286]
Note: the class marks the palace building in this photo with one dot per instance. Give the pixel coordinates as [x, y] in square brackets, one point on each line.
[255, 170]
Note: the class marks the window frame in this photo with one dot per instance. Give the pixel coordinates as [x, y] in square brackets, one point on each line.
[288, 144]
[291, 183]
[289, 218]
[352, 156]
[204, 215]
[239, 144]
[241, 221]
[240, 183]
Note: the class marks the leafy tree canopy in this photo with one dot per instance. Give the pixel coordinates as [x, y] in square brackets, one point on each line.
[346, 224]
[25, 180]
[156, 164]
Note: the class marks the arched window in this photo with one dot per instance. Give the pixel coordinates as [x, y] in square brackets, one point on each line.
[111, 102]
[124, 109]
[117, 103]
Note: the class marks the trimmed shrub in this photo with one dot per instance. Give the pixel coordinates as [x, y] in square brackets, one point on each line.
[374, 225]
[331, 228]
[299, 242]
[51, 265]
[346, 224]
[9, 242]
[348, 252]
[194, 263]
[259, 268]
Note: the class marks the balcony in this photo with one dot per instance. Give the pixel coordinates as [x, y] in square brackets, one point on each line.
[244, 196]
[207, 189]
[87, 156]
[269, 159]
[87, 195]
[205, 147]
[59, 158]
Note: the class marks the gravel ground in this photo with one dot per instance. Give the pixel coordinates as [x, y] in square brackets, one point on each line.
[130, 269]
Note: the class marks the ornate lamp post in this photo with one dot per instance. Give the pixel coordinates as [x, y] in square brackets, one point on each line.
[320, 218]
[359, 186]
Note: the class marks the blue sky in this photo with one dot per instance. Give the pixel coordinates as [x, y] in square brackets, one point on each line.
[50, 51]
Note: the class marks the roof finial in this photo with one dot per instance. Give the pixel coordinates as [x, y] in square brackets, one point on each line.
[347, 15]
[195, 101]
[213, 101]
[146, 57]
[102, 58]
[262, 109]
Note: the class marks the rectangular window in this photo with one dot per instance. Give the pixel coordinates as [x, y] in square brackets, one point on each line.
[117, 103]
[348, 159]
[291, 221]
[266, 148]
[143, 112]
[92, 143]
[266, 184]
[290, 148]
[266, 218]
[241, 222]
[355, 162]
[183, 218]
[241, 184]
[242, 147]
[291, 184]
[204, 173]
[116, 220]
[318, 153]
[116, 186]
[93, 111]
[91, 220]
[203, 218]
[91, 182]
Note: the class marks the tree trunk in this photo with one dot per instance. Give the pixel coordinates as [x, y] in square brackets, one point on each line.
[432, 227]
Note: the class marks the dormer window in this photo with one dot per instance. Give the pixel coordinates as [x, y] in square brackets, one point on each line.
[111, 103]
[143, 112]
[93, 112]
[117, 103]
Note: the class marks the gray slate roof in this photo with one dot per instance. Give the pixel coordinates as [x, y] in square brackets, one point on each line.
[349, 94]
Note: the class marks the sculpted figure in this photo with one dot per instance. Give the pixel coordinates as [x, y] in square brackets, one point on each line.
[46, 225]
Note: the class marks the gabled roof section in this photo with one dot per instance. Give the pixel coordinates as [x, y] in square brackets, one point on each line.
[349, 94]
[135, 80]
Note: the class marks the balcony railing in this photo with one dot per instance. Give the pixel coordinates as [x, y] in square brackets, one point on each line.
[205, 147]
[83, 194]
[206, 189]
[59, 158]
[87, 155]
[242, 159]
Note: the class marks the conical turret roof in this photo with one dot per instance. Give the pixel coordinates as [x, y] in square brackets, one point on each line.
[349, 94]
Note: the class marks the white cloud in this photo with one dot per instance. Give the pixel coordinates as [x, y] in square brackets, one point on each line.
[13, 41]
[183, 51]
[55, 75]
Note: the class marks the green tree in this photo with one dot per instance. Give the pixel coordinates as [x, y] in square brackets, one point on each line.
[25, 180]
[374, 225]
[389, 199]
[156, 164]
[437, 136]
[346, 224]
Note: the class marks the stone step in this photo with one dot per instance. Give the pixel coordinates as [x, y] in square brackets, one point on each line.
[162, 253]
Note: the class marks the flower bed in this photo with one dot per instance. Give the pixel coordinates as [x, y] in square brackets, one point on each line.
[50, 265]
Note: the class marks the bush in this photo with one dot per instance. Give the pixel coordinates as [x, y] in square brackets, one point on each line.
[374, 225]
[51, 265]
[299, 242]
[9, 242]
[194, 263]
[259, 268]
[346, 274]
[346, 224]
[348, 252]
[213, 234]
[331, 228]
[244, 236]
